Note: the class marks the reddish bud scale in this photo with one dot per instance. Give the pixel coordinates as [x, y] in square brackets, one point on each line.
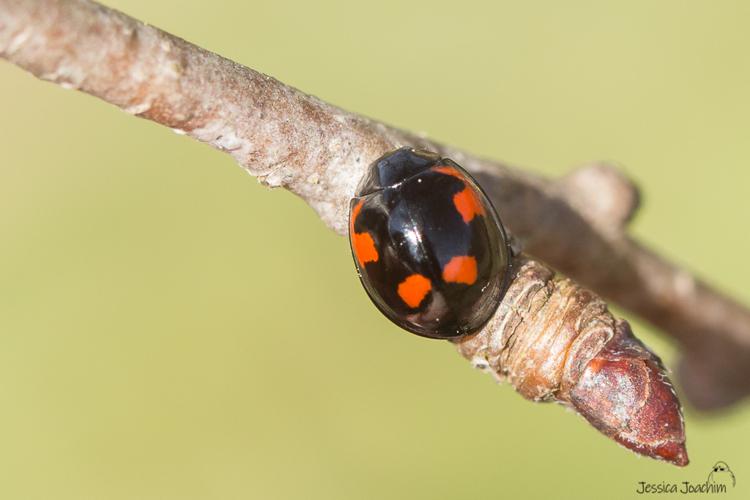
[554, 340]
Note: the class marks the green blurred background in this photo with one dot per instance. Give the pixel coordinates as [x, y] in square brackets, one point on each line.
[170, 329]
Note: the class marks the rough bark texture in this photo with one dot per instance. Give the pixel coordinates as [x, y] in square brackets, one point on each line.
[293, 140]
[554, 340]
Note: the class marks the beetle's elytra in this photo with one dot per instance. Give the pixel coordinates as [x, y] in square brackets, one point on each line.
[429, 246]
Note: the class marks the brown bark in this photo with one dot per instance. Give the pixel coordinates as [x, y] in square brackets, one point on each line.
[293, 140]
[554, 340]
[318, 151]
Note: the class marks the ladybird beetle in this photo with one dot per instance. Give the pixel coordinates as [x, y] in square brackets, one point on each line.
[428, 245]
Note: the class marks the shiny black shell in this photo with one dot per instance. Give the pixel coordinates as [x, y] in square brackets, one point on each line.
[429, 246]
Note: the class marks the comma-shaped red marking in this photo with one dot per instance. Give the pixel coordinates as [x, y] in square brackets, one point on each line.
[466, 201]
[414, 289]
[362, 243]
[468, 204]
[461, 269]
[445, 169]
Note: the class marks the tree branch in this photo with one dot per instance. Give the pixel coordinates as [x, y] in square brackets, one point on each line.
[292, 140]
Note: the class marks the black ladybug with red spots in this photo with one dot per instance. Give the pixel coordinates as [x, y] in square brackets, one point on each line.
[429, 246]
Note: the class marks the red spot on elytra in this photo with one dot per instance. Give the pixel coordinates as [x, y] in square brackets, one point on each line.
[468, 204]
[444, 169]
[364, 248]
[414, 289]
[362, 243]
[461, 269]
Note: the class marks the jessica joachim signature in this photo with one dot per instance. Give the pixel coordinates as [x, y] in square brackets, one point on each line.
[685, 487]
[718, 479]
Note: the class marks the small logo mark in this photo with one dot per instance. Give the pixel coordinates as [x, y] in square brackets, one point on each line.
[721, 473]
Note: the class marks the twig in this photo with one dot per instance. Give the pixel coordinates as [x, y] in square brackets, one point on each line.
[556, 341]
[293, 140]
